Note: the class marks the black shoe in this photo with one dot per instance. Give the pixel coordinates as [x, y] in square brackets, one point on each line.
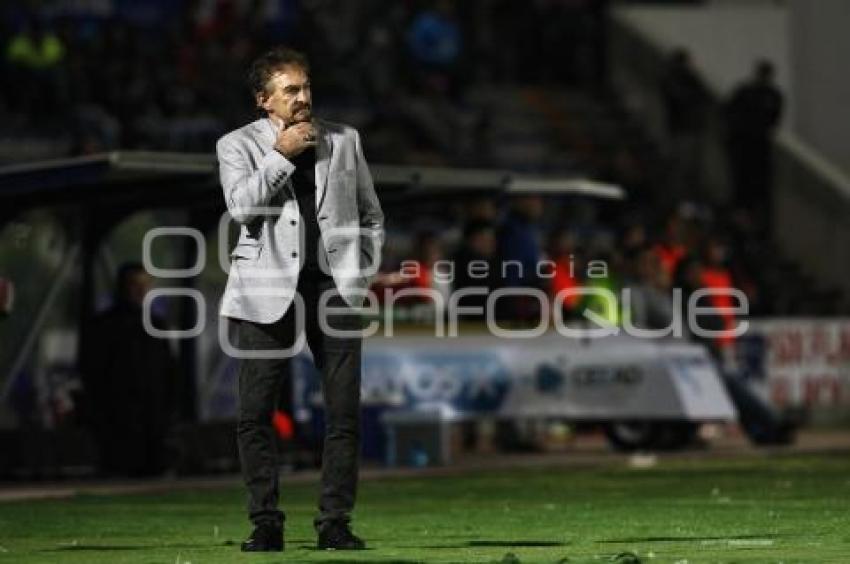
[264, 538]
[337, 536]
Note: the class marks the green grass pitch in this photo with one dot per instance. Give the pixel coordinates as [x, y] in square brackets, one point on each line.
[767, 509]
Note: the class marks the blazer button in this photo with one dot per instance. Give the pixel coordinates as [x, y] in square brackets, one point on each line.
[292, 222]
[294, 254]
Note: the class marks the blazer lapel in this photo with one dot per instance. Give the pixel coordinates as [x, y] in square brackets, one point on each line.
[264, 133]
[324, 150]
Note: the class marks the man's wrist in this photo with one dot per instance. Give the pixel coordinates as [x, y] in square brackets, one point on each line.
[281, 166]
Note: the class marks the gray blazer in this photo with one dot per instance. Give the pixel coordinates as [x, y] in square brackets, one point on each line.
[266, 260]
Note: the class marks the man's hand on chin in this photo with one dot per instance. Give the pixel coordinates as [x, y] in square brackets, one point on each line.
[293, 140]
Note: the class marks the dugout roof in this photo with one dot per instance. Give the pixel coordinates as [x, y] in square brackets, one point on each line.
[163, 179]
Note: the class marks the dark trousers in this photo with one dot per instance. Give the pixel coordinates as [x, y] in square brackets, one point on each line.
[338, 360]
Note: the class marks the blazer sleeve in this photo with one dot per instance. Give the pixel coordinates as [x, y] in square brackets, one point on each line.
[371, 215]
[245, 188]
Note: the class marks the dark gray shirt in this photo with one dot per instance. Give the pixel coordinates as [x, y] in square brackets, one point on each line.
[304, 183]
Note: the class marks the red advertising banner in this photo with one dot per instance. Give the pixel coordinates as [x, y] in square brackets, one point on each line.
[806, 361]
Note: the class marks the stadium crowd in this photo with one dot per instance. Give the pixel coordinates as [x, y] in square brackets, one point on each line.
[84, 77]
[537, 242]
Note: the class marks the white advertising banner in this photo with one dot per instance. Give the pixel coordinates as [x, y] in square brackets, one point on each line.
[612, 378]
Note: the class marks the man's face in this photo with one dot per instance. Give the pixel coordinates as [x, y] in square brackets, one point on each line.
[529, 207]
[288, 95]
[139, 283]
[484, 242]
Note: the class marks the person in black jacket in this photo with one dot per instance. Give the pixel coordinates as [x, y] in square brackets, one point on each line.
[130, 379]
[686, 102]
[752, 114]
[476, 265]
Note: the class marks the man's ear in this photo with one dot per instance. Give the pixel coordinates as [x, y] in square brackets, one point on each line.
[262, 100]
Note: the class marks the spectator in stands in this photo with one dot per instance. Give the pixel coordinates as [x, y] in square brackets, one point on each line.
[130, 379]
[481, 209]
[567, 271]
[633, 238]
[435, 42]
[708, 269]
[437, 119]
[715, 275]
[35, 48]
[476, 265]
[752, 114]
[650, 292]
[608, 282]
[520, 255]
[33, 57]
[421, 272]
[671, 248]
[686, 102]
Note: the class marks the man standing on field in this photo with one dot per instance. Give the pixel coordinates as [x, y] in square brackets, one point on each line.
[311, 234]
